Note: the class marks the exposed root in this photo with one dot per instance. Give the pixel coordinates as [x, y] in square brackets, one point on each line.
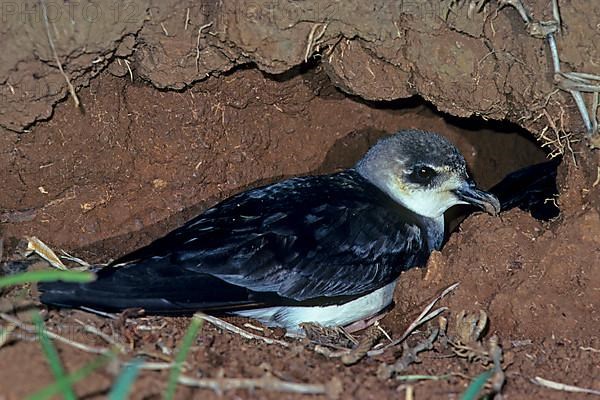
[556, 138]
[198, 43]
[313, 38]
[409, 356]
[187, 19]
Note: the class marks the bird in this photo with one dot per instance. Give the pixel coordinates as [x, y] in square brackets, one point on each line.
[321, 249]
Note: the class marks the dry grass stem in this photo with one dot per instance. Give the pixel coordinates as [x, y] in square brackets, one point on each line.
[267, 382]
[107, 338]
[563, 387]
[234, 329]
[33, 330]
[55, 54]
[77, 260]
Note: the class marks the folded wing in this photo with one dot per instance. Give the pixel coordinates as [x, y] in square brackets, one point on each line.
[309, 240]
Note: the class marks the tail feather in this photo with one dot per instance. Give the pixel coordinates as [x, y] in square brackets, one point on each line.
[139, 286]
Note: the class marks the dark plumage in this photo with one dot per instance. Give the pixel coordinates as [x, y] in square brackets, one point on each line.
[531, 189]
[324, 249]
[283, 243]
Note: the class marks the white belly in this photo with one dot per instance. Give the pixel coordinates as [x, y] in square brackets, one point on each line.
[335, 315]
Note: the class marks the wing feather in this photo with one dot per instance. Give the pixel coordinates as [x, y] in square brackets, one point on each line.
[303, 239]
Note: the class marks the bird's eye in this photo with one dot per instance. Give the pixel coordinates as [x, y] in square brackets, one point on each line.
[422, 174]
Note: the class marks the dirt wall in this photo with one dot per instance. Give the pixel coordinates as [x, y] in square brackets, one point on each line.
[463, 61]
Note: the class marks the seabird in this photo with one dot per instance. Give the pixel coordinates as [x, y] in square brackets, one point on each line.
[322, 249]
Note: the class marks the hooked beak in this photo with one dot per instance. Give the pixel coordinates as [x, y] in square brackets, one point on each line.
[468, 193]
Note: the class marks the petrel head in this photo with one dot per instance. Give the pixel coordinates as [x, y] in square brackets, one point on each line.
[424, 172]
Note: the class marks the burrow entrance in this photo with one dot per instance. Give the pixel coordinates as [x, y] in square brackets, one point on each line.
[139, 161]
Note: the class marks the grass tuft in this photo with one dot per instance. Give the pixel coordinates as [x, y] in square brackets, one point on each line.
[476, 385]
[188, 339]
[68, 380]
[121, 388]
[52, 357]
[46, 276]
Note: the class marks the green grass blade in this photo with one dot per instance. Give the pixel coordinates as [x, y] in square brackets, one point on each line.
[46, 276]
[121, 388]
[188, 339]
[68, 380]
[476, 385]
[52, 357]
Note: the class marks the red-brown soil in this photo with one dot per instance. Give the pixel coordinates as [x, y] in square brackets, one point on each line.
[144, 161]
[185, 103]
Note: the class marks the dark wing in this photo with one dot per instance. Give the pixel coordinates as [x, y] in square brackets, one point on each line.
[303, 240]
[530, 189]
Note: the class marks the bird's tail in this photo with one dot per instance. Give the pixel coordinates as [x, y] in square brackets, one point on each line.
[155, 288]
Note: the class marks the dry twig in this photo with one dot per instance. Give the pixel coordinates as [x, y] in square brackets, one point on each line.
[366, 343]
[563, 387]
[425, 316]
[234, 329]
[409, 356]
[33, 330]
[267, 382]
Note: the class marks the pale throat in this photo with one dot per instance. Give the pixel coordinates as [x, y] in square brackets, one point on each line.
[430, 207]
[428, 203]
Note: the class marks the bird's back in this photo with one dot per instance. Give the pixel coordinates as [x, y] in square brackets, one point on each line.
[307, 240]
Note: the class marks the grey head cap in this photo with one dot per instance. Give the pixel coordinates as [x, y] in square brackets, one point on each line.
[411, 147]
[424, 172]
